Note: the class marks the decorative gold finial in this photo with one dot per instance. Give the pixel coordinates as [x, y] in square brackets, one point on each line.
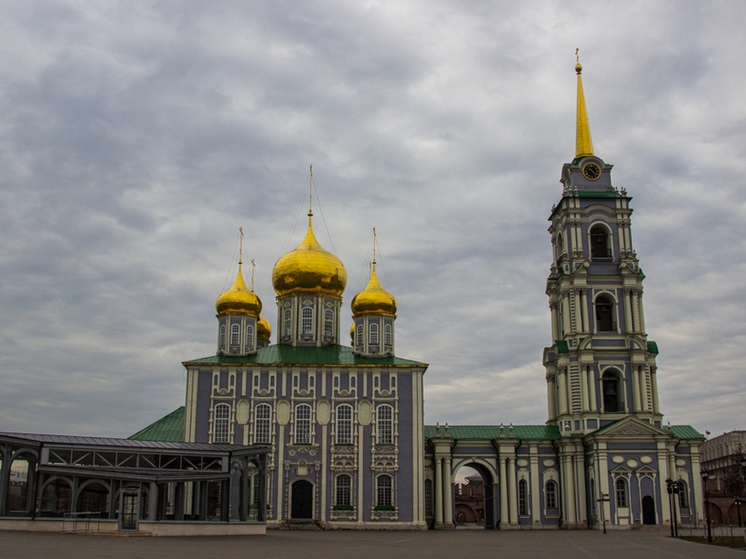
[310, 194]
[374, 247]
[240, 246]
[253, 267]
[578, 67]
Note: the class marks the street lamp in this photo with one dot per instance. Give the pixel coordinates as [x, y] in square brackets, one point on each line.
[673, 490]
[737, 502]
[705, 474]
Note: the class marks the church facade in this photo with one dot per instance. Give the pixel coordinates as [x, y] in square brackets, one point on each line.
[343, 422]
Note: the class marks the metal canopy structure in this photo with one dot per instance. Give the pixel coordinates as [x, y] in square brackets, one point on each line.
[47, 476]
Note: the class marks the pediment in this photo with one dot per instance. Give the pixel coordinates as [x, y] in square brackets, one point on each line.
[631, 427]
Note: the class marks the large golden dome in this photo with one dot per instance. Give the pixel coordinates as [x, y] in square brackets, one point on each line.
[263, 329]
[309, 268]
[239, 299]
[373, 299]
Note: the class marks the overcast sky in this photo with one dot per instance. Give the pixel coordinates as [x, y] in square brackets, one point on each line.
[137, 137]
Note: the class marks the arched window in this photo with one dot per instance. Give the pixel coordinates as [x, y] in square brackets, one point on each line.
[235, 334]
[551, 494]
[343, 492]
[222, 336]
[344, 424]
[385, 424]
[286, 322]
[612, 394]
[384, 485]
[387, 334]
[621, 493]
[221, 424]
[302, 424]
[523, 498]
[359, 341]
[249, 336]
[683, 494]
[604, 314]
[600, 242]
[429, 497]
[329, 323]
[262, 424]
[307, 320]
[373, 334]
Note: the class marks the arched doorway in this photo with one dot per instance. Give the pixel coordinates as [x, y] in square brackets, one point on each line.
[302, 500]
[473, 497]
[648, 510]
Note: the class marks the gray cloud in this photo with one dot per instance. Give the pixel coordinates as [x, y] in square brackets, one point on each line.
[136, 138]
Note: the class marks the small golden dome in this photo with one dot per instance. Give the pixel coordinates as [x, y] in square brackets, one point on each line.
[373, 299]
[263, 329]
[352, 331]
[239, 299]
[309, 268]
[578, 68]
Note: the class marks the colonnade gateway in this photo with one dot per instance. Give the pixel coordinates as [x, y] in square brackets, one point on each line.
[344, 423]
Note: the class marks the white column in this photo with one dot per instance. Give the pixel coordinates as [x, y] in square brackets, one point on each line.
[448, 493]
[584, 387]
[628, 327]
[654, 388]
[642, 313]
[535, 486]
[569, 489]
[551, 396]
[584, 310]
[635, 388]
[562, 377]
[512, 491]
[504, 520]
[566, 314]
[438, 492]
[592, 387]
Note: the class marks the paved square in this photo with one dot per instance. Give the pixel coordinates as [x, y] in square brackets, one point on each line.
[365, 545]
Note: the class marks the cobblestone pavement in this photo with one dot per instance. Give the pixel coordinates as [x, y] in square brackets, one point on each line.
[632, 544]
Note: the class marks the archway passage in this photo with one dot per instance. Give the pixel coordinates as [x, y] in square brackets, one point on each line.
[302, 500]
[473, 500]
[648, 510]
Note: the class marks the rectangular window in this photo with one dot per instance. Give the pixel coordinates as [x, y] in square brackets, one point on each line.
[286, 322]
[303, 424]
[221, 424]
[329, 323]
[343, 497]
[344, 424]
[235, 334]
[523, 498]
[307, 320]
[262, 433]
[385, 424]
[383, 491]
[551, 495]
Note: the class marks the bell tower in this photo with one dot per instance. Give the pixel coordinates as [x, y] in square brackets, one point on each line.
[601, 366]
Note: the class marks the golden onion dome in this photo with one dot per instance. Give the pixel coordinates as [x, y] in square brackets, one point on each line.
[263, 329]
[309, 268]
[239, 299]
[373, 299]
[352, 332]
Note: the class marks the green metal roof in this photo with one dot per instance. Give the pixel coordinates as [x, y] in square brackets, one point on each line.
[330, 355]
[562, 346]
[653, 347]
[169, 428]
[686, 432]
[483, 432]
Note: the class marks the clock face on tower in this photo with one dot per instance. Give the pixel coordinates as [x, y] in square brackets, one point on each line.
[591, 171]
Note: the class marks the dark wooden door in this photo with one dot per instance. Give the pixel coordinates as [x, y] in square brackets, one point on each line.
[648, 510]
[302, 498]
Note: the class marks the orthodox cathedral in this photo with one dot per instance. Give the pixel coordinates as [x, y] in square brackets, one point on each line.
[342, 420]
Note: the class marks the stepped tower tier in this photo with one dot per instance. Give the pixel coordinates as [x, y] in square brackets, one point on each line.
[601, 366]
[373, 313]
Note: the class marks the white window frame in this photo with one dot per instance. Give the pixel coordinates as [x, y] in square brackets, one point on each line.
[373, 334]
[221, 423]
[249, 335]
[263, 424]
[302, 431]
[343, 428]
[384, 490]
[384, 424]
[235, 334]
[306, 320]
[343, 490]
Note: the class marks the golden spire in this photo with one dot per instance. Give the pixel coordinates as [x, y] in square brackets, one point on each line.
[584, 145]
